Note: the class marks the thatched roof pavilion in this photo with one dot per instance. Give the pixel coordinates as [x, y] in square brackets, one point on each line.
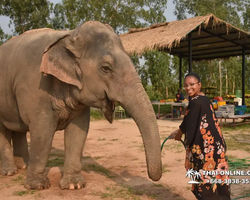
[211, 38]
[197, 38]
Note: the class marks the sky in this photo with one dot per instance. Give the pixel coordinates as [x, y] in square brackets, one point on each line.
[4, 21]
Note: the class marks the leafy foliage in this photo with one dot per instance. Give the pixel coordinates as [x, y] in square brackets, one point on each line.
[232, 11]
[120, 14]
[156, 74]
[246, 17]
[26, 14]
[228, 10]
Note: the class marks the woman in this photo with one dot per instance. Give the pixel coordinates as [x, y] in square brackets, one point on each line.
[206, 148]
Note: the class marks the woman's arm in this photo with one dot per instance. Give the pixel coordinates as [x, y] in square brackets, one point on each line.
[177, 134]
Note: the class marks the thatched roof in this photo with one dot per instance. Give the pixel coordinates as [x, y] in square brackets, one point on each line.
[211, 38]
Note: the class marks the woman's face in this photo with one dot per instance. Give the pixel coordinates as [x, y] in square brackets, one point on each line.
[192, 86]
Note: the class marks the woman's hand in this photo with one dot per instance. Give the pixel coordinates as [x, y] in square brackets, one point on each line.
[187, 164]
[176, 135]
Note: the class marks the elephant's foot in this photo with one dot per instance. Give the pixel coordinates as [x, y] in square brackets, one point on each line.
[19, 162]
[72, 181]
[36, 181]
[8, 170]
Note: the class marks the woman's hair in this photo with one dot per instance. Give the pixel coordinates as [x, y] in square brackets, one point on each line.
[194, 75]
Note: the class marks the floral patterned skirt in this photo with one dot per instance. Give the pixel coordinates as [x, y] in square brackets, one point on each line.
[205, 192]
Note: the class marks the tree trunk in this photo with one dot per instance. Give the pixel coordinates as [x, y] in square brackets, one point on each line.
[166, 92]
[233, 91]
[220, 78]
[226, 83]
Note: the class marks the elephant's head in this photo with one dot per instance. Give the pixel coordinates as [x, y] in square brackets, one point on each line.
[93, 60]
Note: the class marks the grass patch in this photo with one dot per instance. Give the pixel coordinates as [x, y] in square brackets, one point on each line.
[126, 193]
[164, 169]
[237, 128]
[158, 185]
[177, 147]
[86, 157]
[18, 179]
[55, 162]
[122, 166]
[56, 155]
[164, 109]
[23, 192]
[245, 192]
[96, 114]
[230, 157]
[238, 142]
[101, 139]
[141, 148]
[179, 159]
[98, 157]
[97, 168]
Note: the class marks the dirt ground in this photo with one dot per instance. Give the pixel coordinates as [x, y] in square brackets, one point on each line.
[114, 167]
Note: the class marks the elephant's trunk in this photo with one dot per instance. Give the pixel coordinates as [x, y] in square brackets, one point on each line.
[138, 105]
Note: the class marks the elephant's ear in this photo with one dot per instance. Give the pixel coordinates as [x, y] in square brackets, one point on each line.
[59, 60]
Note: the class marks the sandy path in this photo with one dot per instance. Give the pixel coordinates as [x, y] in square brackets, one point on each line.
[115, 167]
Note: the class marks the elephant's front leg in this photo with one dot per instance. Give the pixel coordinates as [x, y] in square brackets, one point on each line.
[74, 139]
[41, 135]
[20, 149]
[7, 161]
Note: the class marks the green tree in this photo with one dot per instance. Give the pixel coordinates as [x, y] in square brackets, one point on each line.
[58, 19]
[232, 11]
[156, 75]
[246, 17]
[26, 14]
[120, 14]
[228, 10]
[1, 36]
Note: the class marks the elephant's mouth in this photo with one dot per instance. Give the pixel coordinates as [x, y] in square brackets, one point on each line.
[109, 109]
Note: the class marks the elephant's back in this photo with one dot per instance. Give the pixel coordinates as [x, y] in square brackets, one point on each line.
[28, 48]
[21, 56]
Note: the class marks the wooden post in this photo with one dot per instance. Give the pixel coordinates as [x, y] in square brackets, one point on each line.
[220, 78]
[243, 75]
[180, 72]
[190, 51]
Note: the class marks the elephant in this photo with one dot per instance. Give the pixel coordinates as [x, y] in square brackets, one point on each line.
[49, 80]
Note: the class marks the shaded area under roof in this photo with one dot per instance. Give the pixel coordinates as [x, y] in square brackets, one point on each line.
[211, 38]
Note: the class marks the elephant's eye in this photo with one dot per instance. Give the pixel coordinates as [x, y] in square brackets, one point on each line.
[106, 69]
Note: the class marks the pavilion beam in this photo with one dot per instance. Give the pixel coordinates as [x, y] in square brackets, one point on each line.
[217, 35]
[198, 58]
[216, 52]
[243, 74]
[216, 43]
[207, 46]
[210, 36]
[215, 57]
[190, 51]
[199, 41]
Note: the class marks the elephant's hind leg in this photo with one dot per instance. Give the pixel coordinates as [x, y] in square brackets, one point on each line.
[8, 166]
[20, 148]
